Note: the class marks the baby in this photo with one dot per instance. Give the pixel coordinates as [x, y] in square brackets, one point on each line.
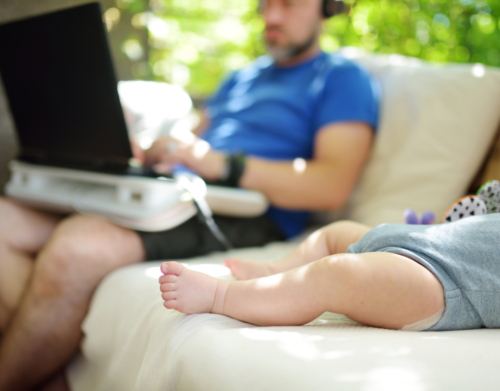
[440, 277]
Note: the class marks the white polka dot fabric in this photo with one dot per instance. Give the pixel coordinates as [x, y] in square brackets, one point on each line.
[465, 207]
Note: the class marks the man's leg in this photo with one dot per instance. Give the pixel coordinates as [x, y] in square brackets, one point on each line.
[379, 289]
[45, 331]
[23, 232]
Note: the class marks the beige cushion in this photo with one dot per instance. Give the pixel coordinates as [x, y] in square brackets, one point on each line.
[436, 125]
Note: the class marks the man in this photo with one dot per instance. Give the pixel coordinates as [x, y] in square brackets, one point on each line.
[304, 122]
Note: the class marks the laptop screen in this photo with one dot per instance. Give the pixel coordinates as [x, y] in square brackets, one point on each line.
[62, 90]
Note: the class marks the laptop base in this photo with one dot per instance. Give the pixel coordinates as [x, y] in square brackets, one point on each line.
[140, 203]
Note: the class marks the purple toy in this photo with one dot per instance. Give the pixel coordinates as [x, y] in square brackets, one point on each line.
[412, 218]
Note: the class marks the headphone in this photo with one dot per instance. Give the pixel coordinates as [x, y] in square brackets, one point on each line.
[331, 7]
[328, 7]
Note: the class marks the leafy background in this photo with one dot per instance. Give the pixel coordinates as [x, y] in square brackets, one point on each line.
[195, 43]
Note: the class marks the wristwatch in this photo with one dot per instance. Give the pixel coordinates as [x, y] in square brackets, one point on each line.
[234, 166]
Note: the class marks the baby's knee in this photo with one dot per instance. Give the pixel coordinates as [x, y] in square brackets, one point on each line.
[341, 268]
[345, 225]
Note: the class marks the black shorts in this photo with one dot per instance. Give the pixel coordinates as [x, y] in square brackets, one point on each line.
[193, 238]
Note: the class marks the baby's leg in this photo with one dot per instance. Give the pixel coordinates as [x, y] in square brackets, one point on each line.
[332, 239]
[379, 289]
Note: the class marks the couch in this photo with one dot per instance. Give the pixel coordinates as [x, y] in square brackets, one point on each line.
[437, 136]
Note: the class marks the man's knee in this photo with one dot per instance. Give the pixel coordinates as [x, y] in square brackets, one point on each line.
[81, 252]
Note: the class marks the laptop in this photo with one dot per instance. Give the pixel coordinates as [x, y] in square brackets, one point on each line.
[61, 86]
[62, 90]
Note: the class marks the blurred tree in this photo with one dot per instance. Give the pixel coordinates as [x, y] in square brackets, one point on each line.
[435, 30]
[194, 43]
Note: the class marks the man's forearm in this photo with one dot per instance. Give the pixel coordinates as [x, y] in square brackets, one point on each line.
[325, 182]
[300, 184]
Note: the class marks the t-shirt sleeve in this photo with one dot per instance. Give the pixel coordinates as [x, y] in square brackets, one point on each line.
[350, 94]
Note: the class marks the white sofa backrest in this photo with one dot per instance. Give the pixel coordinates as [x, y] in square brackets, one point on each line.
[437, 123]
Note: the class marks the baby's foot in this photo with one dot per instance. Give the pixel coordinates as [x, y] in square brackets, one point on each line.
[191, 292]
[245, 269]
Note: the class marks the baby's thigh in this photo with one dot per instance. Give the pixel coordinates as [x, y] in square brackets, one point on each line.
[389, 290]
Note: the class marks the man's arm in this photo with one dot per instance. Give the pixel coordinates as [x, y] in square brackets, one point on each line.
[326, 181]
[203, 124]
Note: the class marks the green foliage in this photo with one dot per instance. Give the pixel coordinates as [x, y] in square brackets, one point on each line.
[434, 30]
[195, 43]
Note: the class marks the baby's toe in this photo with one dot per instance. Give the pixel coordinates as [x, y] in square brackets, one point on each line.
[170, 304]
[169, 278]
[170, 268]
[231, 262]
[169, 295]
[167, 287]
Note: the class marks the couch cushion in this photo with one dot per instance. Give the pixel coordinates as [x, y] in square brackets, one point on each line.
[132, 343]
[437, 124]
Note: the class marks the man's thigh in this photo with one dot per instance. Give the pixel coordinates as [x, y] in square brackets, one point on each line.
[193, 238]
[23, 233]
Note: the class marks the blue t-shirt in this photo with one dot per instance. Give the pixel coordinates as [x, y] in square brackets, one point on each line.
[274, 113]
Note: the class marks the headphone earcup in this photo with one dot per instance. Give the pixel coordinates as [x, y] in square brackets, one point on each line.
[331, 7]
[328, 7]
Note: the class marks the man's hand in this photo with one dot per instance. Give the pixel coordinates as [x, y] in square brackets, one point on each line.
[137, 151]
[189, 150]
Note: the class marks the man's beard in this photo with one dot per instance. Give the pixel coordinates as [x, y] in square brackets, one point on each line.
[282, 53]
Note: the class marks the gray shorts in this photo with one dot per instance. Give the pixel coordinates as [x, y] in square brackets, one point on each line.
[463, 255]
